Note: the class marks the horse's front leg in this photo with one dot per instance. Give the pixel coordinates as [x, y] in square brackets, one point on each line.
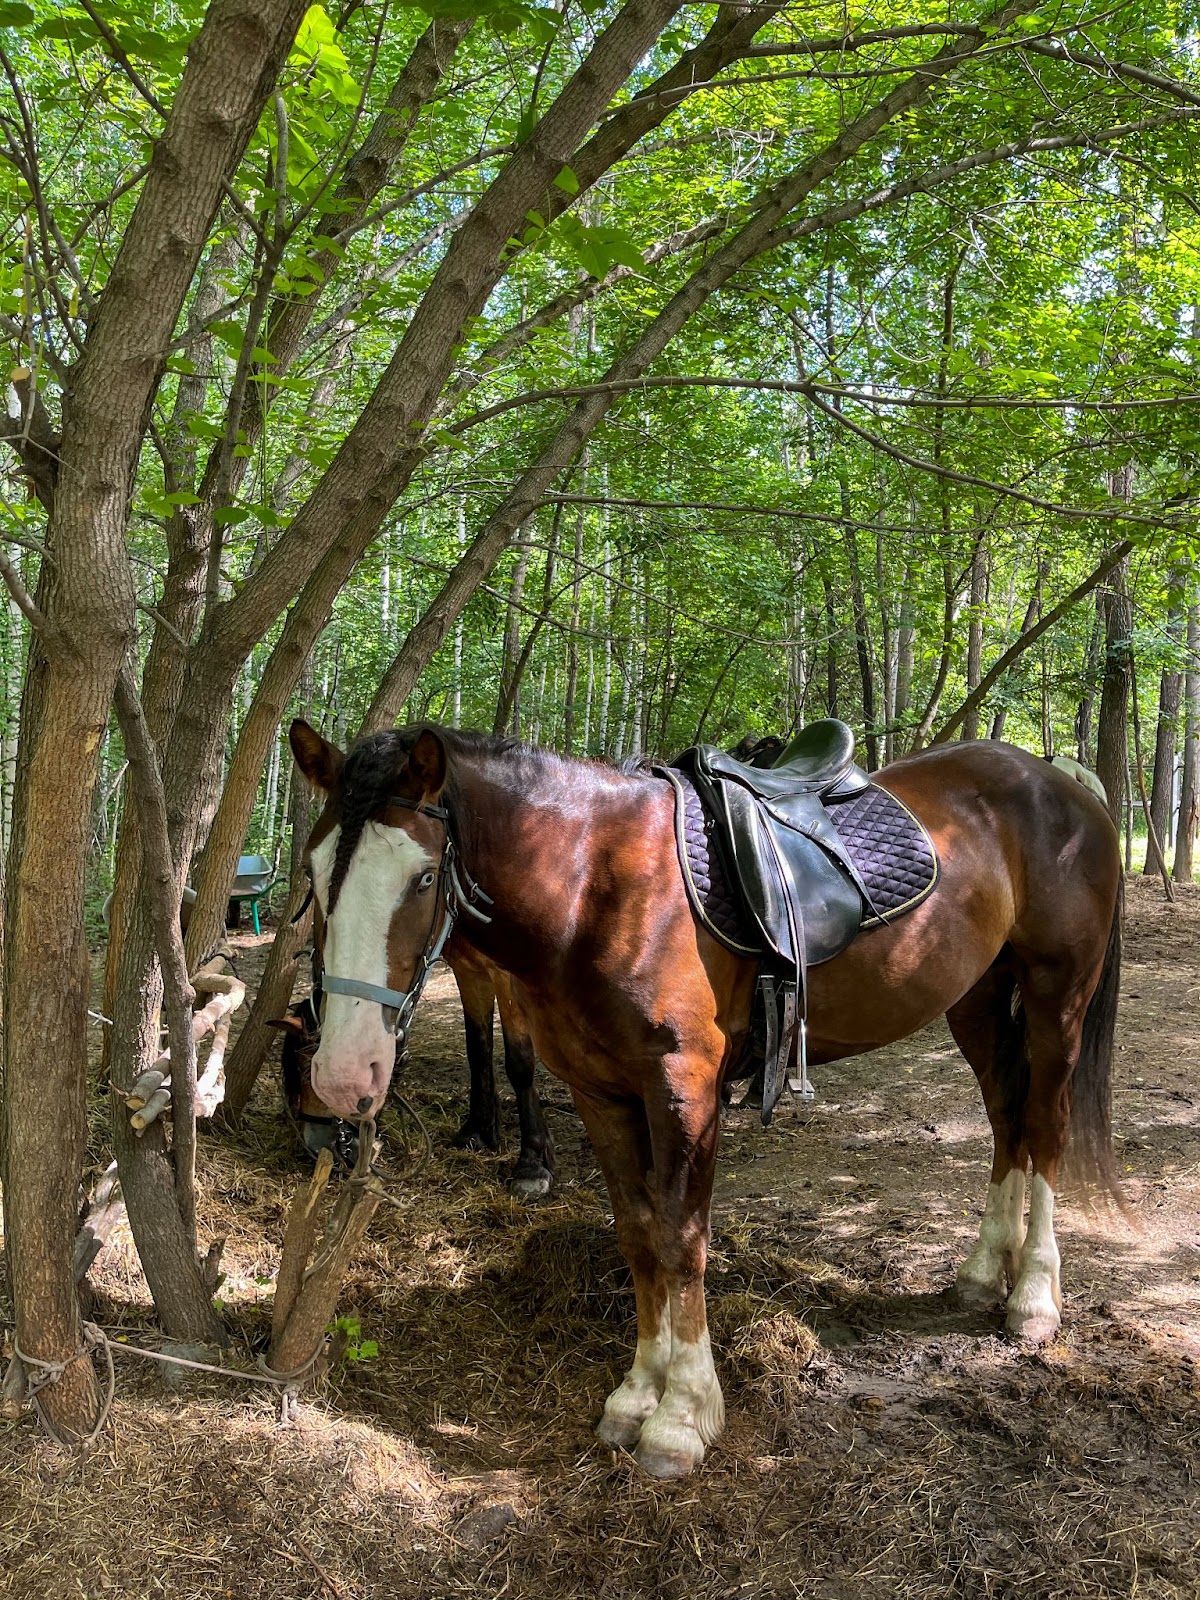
[684, 1126]
[620, 1137]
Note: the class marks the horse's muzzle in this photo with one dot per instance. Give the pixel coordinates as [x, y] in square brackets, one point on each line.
[354, 1088]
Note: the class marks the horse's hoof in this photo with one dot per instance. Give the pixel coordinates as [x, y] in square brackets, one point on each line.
[1033, 1328]
[674, 1439]
[530, 1185]
[483, 1141]
[981, 1294]
[619, 1433]
[669, 1453]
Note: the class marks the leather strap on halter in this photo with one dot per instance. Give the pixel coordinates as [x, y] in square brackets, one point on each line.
[398, 1006]
[438, 813]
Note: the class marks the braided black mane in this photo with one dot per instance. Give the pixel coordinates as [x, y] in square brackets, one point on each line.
[368, 778]
[372, 769]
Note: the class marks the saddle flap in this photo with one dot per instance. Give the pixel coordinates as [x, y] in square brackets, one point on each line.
[799, 886]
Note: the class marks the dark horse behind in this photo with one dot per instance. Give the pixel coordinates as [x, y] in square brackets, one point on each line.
[641, 1012]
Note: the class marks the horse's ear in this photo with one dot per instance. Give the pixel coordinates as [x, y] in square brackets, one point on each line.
[424, 773]
[287, 1025]
[319, 761]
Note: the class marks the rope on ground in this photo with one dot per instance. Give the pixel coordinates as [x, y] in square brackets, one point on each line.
[41, 1374]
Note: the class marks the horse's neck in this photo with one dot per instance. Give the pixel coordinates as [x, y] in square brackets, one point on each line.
[523, 849]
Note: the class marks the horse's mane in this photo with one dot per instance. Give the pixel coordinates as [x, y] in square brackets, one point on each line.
[369, 777]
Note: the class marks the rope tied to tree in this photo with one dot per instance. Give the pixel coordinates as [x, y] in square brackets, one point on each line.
[39, 1374]
[361, 1193]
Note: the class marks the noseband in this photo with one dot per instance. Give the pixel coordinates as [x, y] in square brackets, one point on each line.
[398, 1006]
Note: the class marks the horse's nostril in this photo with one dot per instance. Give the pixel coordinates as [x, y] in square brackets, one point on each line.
[365, 1104]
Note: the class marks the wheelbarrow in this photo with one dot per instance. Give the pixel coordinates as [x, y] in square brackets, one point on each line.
[255, 878]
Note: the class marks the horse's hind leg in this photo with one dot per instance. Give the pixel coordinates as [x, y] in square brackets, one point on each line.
[533, 1174]
[992, 1040]
[481, 1126]
[1055, 1002]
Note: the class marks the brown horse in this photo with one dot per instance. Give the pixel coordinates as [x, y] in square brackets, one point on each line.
[564, 874]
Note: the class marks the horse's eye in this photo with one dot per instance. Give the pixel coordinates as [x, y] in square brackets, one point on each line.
[426, 882]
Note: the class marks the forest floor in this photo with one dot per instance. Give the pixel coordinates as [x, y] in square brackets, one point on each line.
[881, 1441]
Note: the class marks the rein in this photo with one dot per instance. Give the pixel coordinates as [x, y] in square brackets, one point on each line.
[458, 896]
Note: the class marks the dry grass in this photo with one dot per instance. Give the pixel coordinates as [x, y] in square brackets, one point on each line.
[881, 1443]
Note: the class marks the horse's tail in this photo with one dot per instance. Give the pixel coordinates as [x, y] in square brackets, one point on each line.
[1090, 1158]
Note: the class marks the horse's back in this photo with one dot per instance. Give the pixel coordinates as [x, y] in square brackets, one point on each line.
[1047, 832]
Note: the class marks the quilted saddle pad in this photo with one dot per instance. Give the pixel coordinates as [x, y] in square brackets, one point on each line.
[889, 846]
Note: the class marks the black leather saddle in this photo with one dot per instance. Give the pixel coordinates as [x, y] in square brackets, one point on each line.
[801, 887]
[769, 839]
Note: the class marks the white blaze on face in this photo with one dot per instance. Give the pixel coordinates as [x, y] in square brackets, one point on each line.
[357, 1051]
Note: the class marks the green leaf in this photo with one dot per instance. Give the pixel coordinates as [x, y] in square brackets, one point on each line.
[15, 15]
[567, 181]
[625, 253]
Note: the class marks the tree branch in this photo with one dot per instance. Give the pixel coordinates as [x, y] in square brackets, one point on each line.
[163, 885]
[25, 601]
[1080, 592]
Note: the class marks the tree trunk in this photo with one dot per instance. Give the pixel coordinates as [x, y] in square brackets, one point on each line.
[606, 680]
[509, 690]
[1030, 637]
[46, 983]
[949, 612]
[572, 689]
[508, 709]
[1189, 789]
[970, 727]
[1093, 668]
[831, 660]
[1112, 734]
[279, 976]
[86, 595]
[1170, 689]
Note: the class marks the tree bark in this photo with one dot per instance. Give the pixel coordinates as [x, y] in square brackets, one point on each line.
[86, 596]
[1189, 789]
[970, 727]
[1170, 689]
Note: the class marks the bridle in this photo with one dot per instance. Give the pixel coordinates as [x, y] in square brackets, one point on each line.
[457, 896]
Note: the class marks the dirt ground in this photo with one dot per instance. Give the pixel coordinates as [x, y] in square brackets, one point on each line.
[881, 1441]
